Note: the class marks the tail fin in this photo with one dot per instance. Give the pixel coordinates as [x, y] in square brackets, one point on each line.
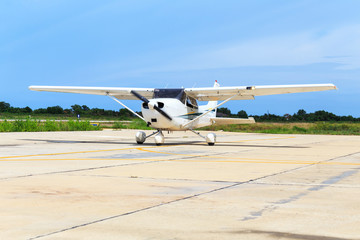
[212, 104]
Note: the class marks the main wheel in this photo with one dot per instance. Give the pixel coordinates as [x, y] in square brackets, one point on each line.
[140, 137]
[211, 139]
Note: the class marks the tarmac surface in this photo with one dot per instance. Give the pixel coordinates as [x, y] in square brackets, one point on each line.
[101, 185]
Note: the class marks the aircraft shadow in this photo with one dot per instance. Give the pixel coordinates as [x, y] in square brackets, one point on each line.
[150, 143]
[111, 142]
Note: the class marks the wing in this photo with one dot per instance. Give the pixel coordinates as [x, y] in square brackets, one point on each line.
[244, 93]
[119, 93]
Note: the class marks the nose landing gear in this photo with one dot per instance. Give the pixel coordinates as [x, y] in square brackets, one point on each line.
[140, 137]
[159, 138]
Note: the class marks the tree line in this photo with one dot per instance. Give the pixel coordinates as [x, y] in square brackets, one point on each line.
[75, 110]
[300, 116]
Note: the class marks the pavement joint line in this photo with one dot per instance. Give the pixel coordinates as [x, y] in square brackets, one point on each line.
[89, 169]
[76, 170]
[252, 140]
[240, 160]
[78, 152]
[166, 179]
[251, 159]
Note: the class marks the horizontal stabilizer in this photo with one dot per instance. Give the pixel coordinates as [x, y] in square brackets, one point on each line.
[226, 121]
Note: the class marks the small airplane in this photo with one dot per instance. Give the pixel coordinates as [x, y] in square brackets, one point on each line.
[176, 109]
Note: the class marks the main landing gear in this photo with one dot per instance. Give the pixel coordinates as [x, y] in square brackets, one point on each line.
[140, 137]
[210, 137]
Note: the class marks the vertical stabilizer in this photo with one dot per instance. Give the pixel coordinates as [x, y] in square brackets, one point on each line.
[212, 104]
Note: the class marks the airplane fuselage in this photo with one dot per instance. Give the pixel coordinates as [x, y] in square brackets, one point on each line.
[181, 113]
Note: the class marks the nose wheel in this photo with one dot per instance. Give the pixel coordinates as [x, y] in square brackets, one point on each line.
[159, 138]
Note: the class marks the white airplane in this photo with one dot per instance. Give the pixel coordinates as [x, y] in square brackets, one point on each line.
[177, 109]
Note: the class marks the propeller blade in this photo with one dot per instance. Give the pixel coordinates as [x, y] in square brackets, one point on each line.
[139, 96]
[162, 112]
[145, 100]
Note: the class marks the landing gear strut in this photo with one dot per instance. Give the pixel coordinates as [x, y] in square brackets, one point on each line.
[140, 137]
[210, 137]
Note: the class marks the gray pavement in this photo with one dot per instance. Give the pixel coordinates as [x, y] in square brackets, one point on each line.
[101, 185]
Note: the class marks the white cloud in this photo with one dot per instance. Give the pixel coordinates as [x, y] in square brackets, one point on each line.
[341, 46]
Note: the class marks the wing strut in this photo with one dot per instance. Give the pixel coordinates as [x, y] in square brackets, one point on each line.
[225, 101]
[126, 107]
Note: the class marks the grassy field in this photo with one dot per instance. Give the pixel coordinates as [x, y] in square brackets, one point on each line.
[327, 128]
[29, 125]
[22, 116]
[134, 124]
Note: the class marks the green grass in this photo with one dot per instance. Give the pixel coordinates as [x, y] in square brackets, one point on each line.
[30, 125]
[5, 116]
[327, 128]
[134, 124]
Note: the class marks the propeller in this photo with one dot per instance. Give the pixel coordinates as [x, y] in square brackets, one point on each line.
[145, 100]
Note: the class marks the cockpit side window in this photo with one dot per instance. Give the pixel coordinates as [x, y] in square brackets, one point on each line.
[191, 102]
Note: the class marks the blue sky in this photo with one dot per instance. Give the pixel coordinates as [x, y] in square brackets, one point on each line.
[182, 44]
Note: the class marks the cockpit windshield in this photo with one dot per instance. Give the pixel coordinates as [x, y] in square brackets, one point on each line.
[177, 93]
